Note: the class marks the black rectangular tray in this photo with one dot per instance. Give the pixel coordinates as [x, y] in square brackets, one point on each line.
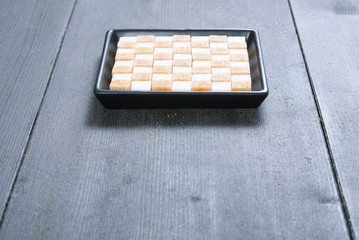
[162, 99]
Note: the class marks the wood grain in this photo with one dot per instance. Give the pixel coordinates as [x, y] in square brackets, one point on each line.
[176, 173]
[332, 53]
[30, 36]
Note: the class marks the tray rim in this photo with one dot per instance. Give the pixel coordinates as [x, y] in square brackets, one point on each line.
[99, 91]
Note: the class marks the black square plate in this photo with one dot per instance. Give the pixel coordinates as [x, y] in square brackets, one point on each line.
[162, 99]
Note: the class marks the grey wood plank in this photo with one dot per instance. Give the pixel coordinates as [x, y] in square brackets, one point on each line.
[332, 53]
[176, 173]
[30, 36]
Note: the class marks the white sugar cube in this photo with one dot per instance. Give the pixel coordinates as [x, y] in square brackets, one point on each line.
[218, 45]
[162, 63]
[144, 56]
[181, 86]
[241, 78]
[240, 64]
[127, 39]
[238, 51]
[125, 76]
[142, 70]
[202, 64]
[221, 71]
[236, 39]
[221, 86]
[145, 44]
[141, 86]
[201, 77]
[182, 57]
[125, 50]
[161, 77]
[124, 63]
[163, 38]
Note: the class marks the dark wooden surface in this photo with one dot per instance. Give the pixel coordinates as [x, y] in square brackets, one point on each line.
[332, 53]
[265, 173]
[30, 38]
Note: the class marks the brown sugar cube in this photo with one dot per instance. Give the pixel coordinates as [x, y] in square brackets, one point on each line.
[219, 48]
[142, 74]
[162, 66]
[163, 53]
[241, 86]
[121, 82]
[200, 42]
[125, 54]
[221, 74]
[145, 48]
[218, 38]
[201, 54]
[181, 38]
[145, 38]
[219, 51]
[126, 45]
[201, 67]
[143, 60]
[240, 68]
[182, 48]
[161, 85]
[120, 85]
[220, 61]
[237, 45]
[201, 86]
[182, 74]
[163, 42]
[122, 67]
[182, 60]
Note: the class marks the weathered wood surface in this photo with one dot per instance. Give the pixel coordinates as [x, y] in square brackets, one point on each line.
[30, 36]
[176, 173]
[329, 34]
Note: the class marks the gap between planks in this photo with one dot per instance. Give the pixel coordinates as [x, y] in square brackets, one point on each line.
[325, 136]
[37, 116]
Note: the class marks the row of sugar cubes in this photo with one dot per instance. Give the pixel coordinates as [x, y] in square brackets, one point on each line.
[179, 64]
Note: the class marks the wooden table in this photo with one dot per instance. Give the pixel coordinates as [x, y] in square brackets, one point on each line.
[70, 169]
